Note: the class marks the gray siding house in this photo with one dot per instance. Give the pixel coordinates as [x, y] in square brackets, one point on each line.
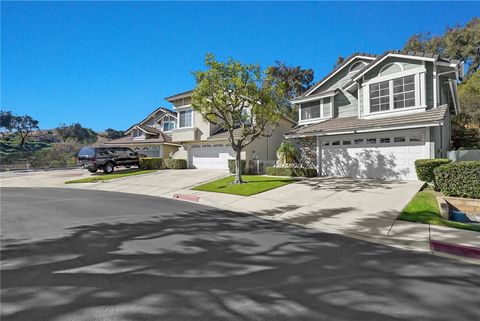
[373, 116]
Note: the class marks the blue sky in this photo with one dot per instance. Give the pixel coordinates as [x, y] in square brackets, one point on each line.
[109, 64]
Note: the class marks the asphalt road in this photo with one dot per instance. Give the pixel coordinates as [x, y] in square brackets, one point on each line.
[90, 255]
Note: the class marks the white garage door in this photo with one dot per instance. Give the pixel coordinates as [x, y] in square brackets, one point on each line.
[211, 156]
[388, 155]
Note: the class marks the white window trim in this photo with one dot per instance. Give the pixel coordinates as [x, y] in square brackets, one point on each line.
[420, 89]
[402, 68]
[317, 119]
[184, 108]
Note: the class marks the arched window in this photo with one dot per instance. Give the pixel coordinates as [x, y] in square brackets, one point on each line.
[390, 69]
[357, 66]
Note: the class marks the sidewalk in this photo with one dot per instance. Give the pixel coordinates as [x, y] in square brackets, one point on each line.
[378, 226]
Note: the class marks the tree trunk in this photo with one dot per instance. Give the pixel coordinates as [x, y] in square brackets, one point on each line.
[238, 166]
[22, 141]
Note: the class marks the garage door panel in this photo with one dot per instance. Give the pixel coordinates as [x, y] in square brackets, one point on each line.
[392, 161]
[212, 157]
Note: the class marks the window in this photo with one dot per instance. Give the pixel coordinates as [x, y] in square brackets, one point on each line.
[326, 143]
[336, 142]
[358, 141]
[416, 138]
[185, 118]
[385, 140]
[371, 140]
[310, 110]
[399, 139]
[380, 96]
[404, 92]
[168, 125]
[347, 142]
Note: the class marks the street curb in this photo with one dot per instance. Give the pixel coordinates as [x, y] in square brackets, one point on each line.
[456, 249]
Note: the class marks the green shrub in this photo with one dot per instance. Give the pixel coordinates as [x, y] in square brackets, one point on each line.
[292, 171]
[231, 166]
[176, 163]
[152, 163]
[460, 179]
[425, 167]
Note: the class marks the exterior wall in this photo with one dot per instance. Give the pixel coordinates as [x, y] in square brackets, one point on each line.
[204, 127]
[265, 148]
[345, 104]
[407, 64]
[307, 147]
[169, 149]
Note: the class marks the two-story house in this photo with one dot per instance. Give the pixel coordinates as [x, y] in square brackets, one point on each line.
[152, 136]
[373, 116]
[205, 145]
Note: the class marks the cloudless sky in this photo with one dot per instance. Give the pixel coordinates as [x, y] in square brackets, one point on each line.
[109, 64]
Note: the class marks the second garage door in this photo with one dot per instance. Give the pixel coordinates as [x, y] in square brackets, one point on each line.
[388, 155]
[214, 156]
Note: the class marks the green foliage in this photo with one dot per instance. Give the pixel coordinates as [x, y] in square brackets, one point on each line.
[457, 43]
[152, 163]
[114, 134]
[423, 208]
[237, 97]
[105, 177]
[288, 152]
[291, 171]
[176, 163]
[57, 156]
[6, 120]
[253, 184]
[76, 133]
[231, 166]
[460, 179]
[11, 151]
[425, 167]
[295, 81]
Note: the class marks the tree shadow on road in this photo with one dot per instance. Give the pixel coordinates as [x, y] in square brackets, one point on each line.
[217, 265]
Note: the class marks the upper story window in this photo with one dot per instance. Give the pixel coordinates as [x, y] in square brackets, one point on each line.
[401, 91]
[404, 92]
[185, 118]
[168, 125]
[380, 96]
[310, 110]
[318, 109]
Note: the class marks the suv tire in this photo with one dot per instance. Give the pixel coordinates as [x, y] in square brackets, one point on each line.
[108, 168]
[93, 170]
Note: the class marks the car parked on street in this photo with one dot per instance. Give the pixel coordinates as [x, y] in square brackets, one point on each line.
[106, 158]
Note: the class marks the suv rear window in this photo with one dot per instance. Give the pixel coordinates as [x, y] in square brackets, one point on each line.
[87, 151]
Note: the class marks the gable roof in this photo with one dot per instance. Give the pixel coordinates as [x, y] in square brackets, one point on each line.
[416, 54]
[179, 95]
[158, 137]
[354, 124]
[165, 110]
[335, 70]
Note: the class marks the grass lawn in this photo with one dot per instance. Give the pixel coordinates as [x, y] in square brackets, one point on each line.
[252, 184]
[423, 208]
[104, 177]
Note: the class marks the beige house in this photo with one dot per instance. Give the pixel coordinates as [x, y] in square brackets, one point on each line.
[205, 145]
[152, 136]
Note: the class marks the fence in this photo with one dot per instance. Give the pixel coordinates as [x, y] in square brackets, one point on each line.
[464, 155]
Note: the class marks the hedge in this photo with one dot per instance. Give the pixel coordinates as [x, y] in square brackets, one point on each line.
[231, 166]
[425, 167]
[176, 163]
[291, 171]
[152, 163]
[460, 179]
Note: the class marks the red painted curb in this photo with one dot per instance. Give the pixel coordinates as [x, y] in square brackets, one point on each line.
[457, 249]
[186, 197]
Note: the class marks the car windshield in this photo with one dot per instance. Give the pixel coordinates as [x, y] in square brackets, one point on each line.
[86, 152]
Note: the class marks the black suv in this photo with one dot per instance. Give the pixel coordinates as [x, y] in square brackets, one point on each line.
[106, 158]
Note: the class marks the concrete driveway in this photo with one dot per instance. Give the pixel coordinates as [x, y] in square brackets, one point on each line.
[94, 255]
